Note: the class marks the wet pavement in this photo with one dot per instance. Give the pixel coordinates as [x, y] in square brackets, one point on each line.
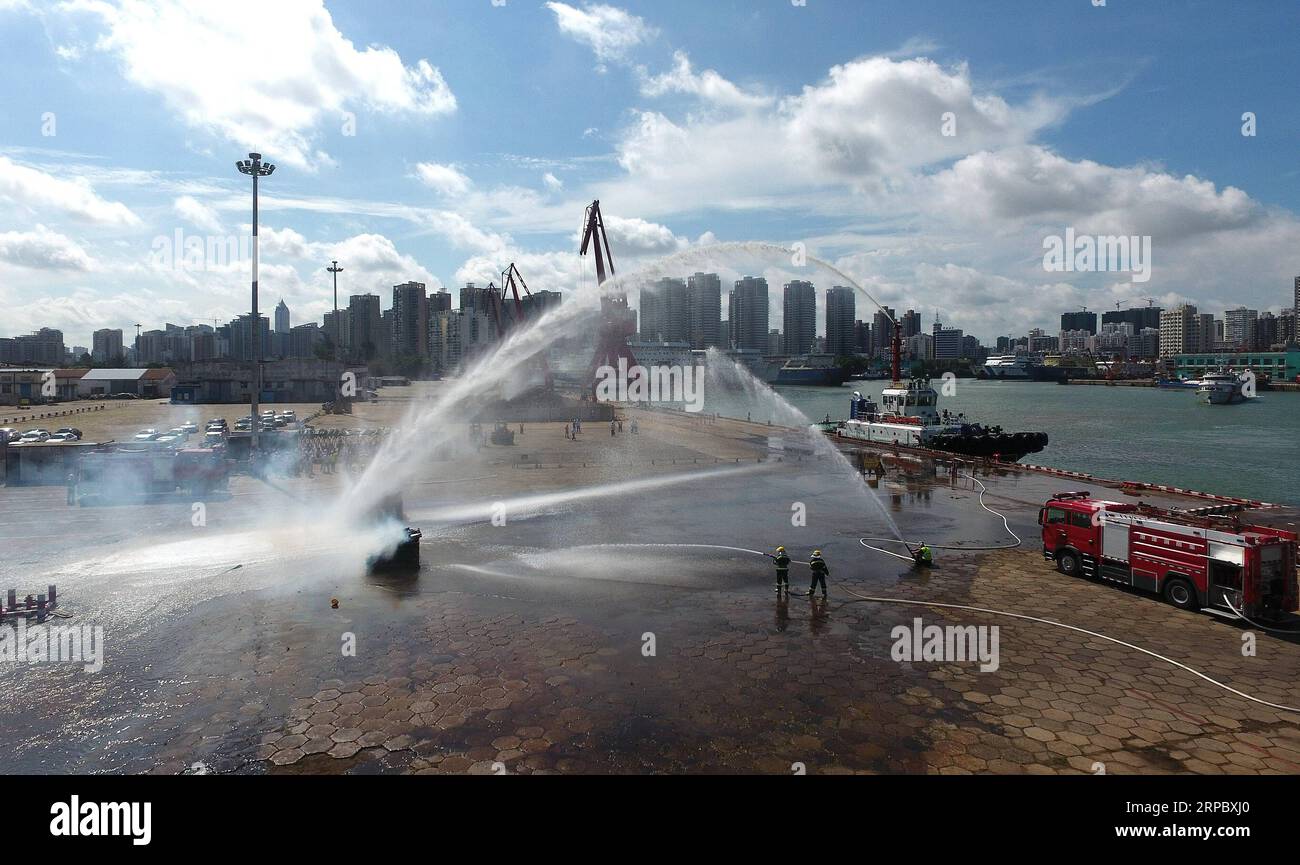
[627, 632]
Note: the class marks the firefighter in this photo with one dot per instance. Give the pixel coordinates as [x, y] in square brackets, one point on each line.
[71, 481]
[782, 569]
[922, 556]
[819, 573]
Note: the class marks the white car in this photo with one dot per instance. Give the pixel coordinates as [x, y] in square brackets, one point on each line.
[35, 435]
[8, 434]
[169, 439]
[189, 428]
[62, 437]
[146, 435]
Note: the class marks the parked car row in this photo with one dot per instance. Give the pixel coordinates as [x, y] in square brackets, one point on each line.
[9, 435]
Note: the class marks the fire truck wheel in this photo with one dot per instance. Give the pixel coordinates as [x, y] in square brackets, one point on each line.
[1180, 593]
[1069, 564]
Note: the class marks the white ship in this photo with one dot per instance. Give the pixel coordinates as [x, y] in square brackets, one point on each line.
[1221, 388]
[1008, 366]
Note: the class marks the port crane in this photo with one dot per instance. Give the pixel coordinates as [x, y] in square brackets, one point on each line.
[617, 322]
[511, 282]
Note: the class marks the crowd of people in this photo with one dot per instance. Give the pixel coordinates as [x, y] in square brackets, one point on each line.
[327, 450]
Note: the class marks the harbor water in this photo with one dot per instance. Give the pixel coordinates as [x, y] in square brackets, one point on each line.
[1126, 433]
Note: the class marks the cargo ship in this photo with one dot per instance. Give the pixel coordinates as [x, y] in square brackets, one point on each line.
[815, 370]
[909, 416]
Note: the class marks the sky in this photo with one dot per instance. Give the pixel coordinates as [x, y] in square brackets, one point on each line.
[928, 149]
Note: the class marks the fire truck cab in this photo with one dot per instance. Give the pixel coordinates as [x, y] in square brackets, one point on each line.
[1215, 562]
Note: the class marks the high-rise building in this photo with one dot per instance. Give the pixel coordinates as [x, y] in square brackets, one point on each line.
[242, 345]
[1264, 332]
[1207, 333]
[800, 316]
[911, 322]
[947, 342]
[281, 317]
[1237, 325]
[478, 299]
[775, 344]
[747, 310]
[882, 332]
[665, 311]
[1286, 327]
[106, 346]
[1082, 320]
[704, 294]
[1139, 317]
[840, 311]
[439, 301]
[1179, 330]
[539, 303]
[365, 325]
[410, 335]
[343, 329]
[304, 340]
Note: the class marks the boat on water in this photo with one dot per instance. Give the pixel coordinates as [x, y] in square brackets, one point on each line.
[818, 370]
[1178, 383]
[909, 415]
[1007, 366]
[1221, 388]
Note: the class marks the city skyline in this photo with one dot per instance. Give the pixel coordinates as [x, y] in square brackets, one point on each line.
[90, 238]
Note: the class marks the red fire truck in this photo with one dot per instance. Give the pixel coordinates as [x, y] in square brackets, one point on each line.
[1214, 562]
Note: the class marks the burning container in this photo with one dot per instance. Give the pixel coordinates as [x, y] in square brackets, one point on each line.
[406, 556]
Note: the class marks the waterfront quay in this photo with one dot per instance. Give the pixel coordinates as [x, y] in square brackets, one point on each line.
[616, 622]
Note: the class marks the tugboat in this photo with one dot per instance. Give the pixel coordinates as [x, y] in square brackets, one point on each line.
[1221, 388]
[909, 416]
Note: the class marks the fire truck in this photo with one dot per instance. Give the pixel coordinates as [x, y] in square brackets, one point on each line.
[1208, 562]
[120, 474]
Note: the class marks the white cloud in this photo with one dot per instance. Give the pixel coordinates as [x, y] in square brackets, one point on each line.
[708, 86]
[445, 179]
[43, 249]
[608, 31]
[196, 213]
[1032, 186]
[266, 76]
[553, 183]
[38, 191]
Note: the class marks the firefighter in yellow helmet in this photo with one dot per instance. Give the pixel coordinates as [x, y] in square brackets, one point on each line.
[782, 569]
[819, 573]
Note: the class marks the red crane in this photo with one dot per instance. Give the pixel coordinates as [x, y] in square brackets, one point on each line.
[617, 322]
[511, 281]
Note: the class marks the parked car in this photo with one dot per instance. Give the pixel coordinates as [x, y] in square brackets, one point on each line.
[146, 435]
[61, 437]
[169, 439]
[69, 430]
[217, 421]
[190, 428]
[8, 434]
[213, 438]
[35, 435]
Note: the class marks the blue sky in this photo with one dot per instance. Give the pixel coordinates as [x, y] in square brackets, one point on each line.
[440, 141]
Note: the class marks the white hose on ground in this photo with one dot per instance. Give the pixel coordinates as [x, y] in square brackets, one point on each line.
[910, 544]
[1179, 664]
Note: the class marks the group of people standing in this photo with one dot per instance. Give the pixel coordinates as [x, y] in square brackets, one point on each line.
[820, 571]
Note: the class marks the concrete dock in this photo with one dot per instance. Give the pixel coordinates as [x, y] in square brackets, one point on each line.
[615, 622]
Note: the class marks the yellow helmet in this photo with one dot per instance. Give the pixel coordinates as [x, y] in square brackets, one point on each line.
[780, 549]
[817, 554]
